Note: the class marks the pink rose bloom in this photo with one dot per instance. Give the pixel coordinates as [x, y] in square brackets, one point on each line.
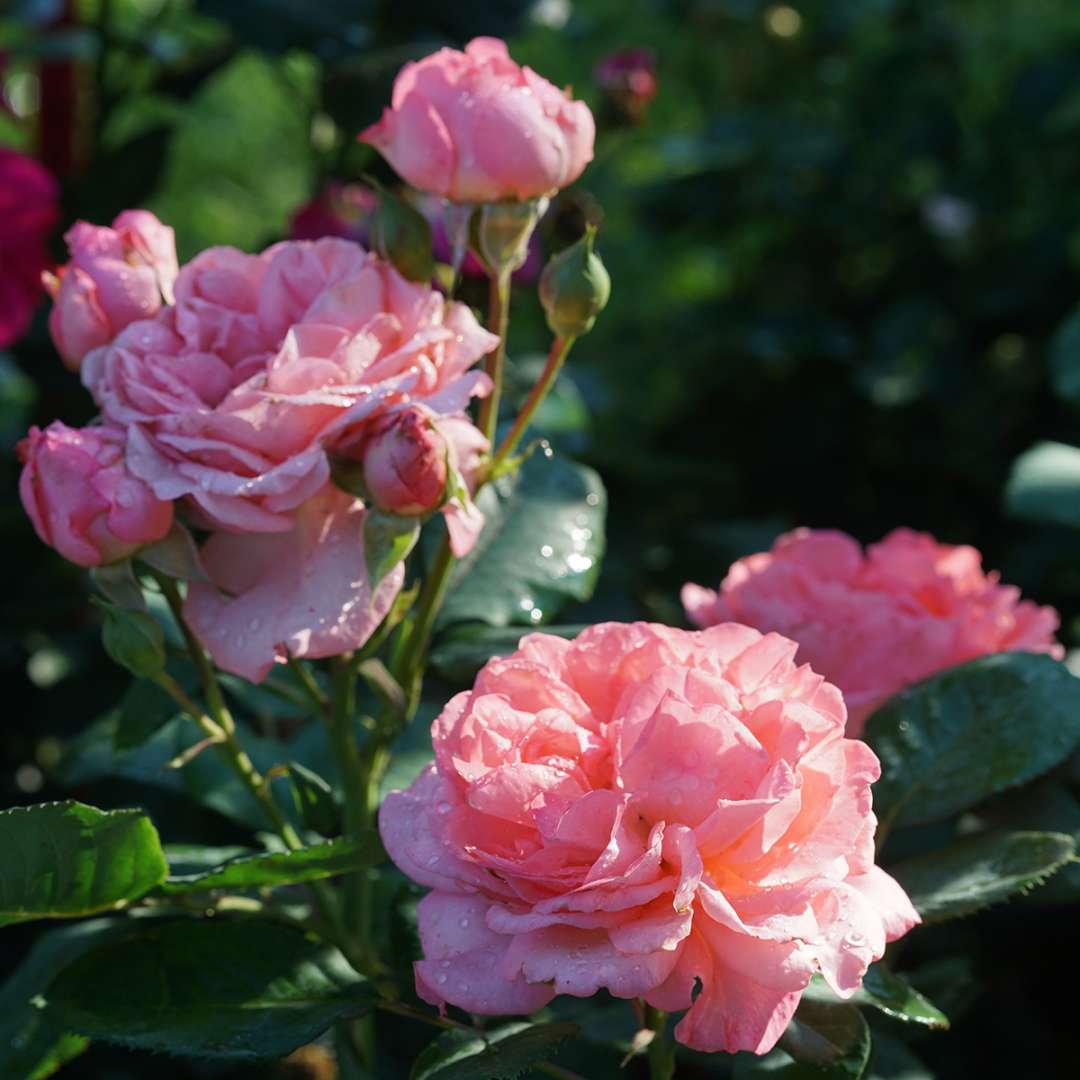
[235, 397]
[115, 276]
[81, 497]
[874, 623]
[640, 809]
[28, 213]
[473, 126]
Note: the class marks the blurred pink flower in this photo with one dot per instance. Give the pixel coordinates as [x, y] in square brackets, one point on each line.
[638, 810]
[115, 276]
[81, 497]
[473, 126]
[28, 214]
[628, 79]
[873, 623]
[343, 210]
[235, 397]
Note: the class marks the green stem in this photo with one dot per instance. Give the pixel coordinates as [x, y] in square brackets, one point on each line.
[407, 668]
[560, 349]
[221, 727]
[661, 1052]
[495, 361]
[312, 689]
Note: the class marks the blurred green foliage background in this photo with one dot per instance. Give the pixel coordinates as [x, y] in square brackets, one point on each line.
[842, 239]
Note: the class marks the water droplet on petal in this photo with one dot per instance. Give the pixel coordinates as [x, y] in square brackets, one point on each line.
[443, 808]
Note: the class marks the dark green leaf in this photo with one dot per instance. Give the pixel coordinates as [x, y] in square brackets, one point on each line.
[541, 546]
[207, 779]
[971, 731]
[823, 1042]
[980, 870]
[1044, 484]
[240, 160]
[896, 997]
[1064, 357]
[888, 992]
[464, 650]
[314, 798]
[892, 1060]
[1045, 806]
[388, 539]
[65, 860]
[283, 868]
[506, 1052]
[30, 1040]
[144, 709]
[224, 989]
[828, 1036]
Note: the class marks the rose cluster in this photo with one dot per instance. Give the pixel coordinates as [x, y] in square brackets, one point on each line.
[227, 388]
[641, 810]
[874, 622]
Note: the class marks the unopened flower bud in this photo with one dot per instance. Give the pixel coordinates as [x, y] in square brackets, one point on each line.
[405, 464]
[402, 236]
[574, 288]
[134, 640]
[503, 231]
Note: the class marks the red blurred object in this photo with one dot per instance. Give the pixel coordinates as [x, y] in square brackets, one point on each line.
[628, 80]
[29, 210]
[338, 210]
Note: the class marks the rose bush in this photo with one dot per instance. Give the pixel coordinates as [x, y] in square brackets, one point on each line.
[473, 126]
[873, 623]
[234, 399]
[639, 809]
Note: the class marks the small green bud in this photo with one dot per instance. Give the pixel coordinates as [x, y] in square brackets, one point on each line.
[134, 640]
[501, 232]
[574, 288]
[402, 235]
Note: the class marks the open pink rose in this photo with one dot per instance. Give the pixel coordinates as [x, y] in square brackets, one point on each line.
[874, 623]
[115, 276]
[640, 809]
[473, 126]
[235, 398]
[81, 497]
[28, 213]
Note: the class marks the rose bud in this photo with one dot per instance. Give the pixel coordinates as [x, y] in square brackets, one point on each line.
[81, 498]
[628, 80]
[574, 288]
[405, 464]
[475, 127]
[115, 276]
